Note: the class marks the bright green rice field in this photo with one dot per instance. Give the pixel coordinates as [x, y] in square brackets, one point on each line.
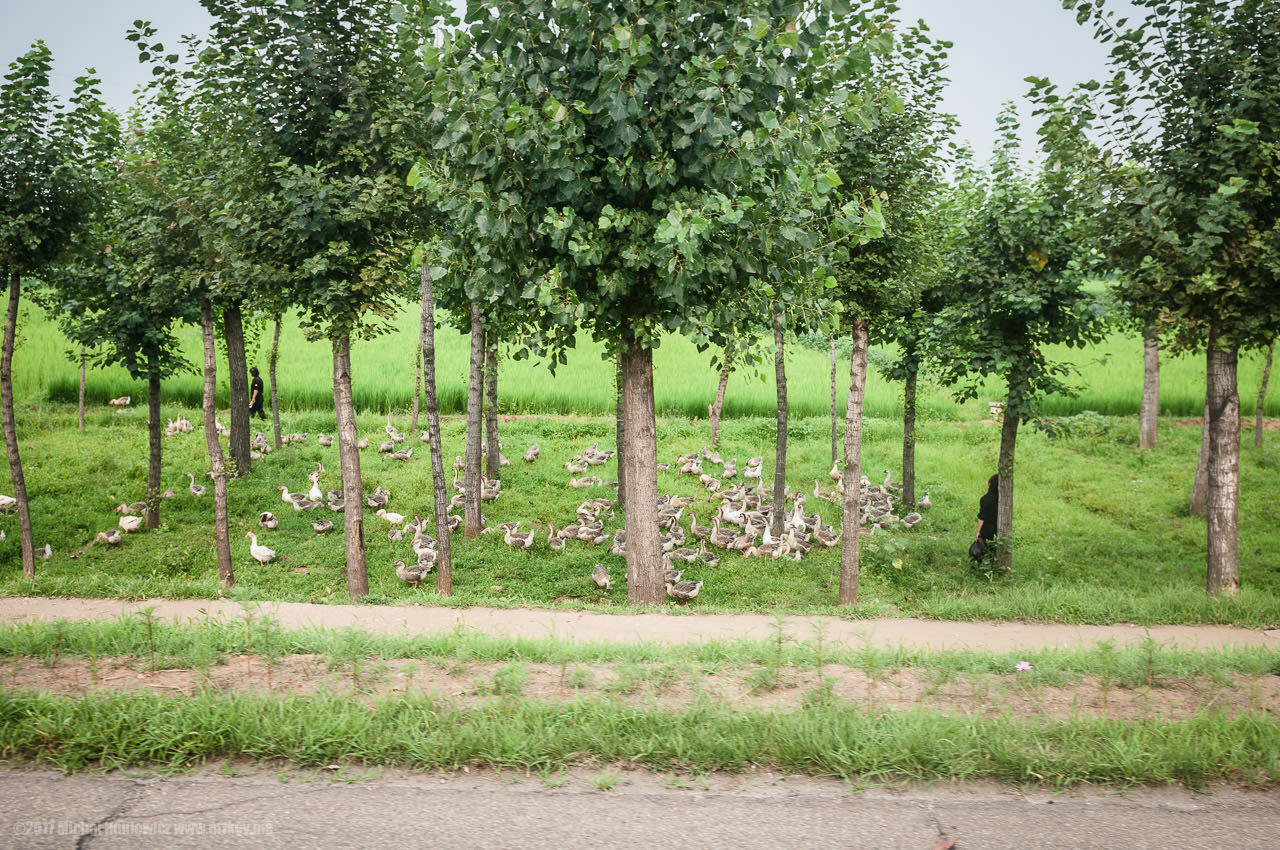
[1110, 374]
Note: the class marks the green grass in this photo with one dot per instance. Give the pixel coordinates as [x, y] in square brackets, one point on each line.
[827, 738]
[152, 642]
[1102, 532]
[382, 370]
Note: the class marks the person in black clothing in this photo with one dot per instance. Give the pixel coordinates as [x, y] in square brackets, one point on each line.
[988, 508]
[255, 395]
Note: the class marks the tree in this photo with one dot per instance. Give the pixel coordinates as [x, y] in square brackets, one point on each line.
[119, 297]
[317, 88]
[47, 153]
[1018, 285]
[890, 151]
[1194, 100]
[661, 162]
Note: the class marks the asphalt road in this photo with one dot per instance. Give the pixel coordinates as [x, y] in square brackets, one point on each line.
[43, 809]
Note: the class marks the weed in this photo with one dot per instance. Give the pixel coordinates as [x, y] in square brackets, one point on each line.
[603, 781]
[509, 679]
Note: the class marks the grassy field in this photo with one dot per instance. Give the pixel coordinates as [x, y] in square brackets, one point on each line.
[1101, 528]
[684, 380]
[141, 692]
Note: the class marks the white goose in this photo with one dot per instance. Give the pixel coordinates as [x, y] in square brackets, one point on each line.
[196, 489]
[261, 554]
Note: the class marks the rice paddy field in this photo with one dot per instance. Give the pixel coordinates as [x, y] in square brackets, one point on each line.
[1110, 377]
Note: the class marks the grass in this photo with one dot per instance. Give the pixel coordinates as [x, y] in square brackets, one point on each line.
[1102, 533]
[826, 738]
[159, 645]
[1111, 375]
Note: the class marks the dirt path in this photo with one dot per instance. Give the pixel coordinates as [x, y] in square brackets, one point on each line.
[585, 626]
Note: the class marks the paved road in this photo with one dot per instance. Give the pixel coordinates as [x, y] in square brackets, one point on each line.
[46, 810]
[680, 628]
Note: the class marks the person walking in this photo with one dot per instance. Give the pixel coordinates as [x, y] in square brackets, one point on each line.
[255, 395]
[988, 508]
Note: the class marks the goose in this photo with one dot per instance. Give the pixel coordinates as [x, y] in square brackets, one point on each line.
[324, 440]
[111, 537]
[586, 481]
[835, 474]
[413, 574]
[45, 552]
[826, 536]
[196, 489]
[338, 505]
[129, 524]
[554, 541]
[378, 498]
[266, 519]
[393, 518]
[131, 508]
[575, 468]
[170, 493]
[730, 469]
[395, 534]
[386, 446]
[670, 573]
[685, 553]
[699, 531]
[719, 537]
[912, 519]
[7, 503]
[600, 575]
[888, 483]
[710, 483]
[322, 526]
[532, 454]
[712, 457]
[314, 493]
[290, 498]
[514, 537]
[402, 455]
[710, 559]
[752, 472]
[664, 467]
[427, 559]
[683, 591]
[924, 504]
[261, 554]
[363, 444]
[455, 521]
[305, 504]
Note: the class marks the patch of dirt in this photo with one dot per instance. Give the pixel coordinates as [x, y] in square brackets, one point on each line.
[1246, 423]
[671, 686]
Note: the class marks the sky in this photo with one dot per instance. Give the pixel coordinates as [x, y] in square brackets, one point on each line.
[997, 43]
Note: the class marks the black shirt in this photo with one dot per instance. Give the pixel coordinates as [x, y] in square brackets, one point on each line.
[988, 507]
[256, 387]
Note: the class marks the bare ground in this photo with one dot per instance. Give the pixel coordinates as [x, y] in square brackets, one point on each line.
[675, 628]
[670, 686]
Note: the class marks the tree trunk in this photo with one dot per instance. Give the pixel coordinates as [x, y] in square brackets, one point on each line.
[1262, 397]
[909, 439]
[25, 540]
[619, 427]
[716, 410]
[417, 381]
[471, 524]
[780, 453]
[1200, 487]
[238, 381]
[271, 373]
[852, 523]
[444, 561]
[1224, 469]
[349, 459]
[221, 532]
[154, 456]
[492, 454]
[645, 584]
[1149, 412]
[80, 402]
[1008, 442]
[835, 421]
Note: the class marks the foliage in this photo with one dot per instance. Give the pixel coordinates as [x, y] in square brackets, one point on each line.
[1016, 276]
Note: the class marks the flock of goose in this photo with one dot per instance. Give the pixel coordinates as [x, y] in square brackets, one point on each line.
[740, 514]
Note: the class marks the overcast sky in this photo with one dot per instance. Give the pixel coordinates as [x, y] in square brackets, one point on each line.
[997, 44]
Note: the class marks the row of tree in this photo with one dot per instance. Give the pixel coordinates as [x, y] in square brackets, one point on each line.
[726, 171]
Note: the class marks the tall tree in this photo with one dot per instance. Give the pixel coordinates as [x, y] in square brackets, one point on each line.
[1018, 285]
[661, 162]
[46, 191]
[1194, 100]
[318, 94]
